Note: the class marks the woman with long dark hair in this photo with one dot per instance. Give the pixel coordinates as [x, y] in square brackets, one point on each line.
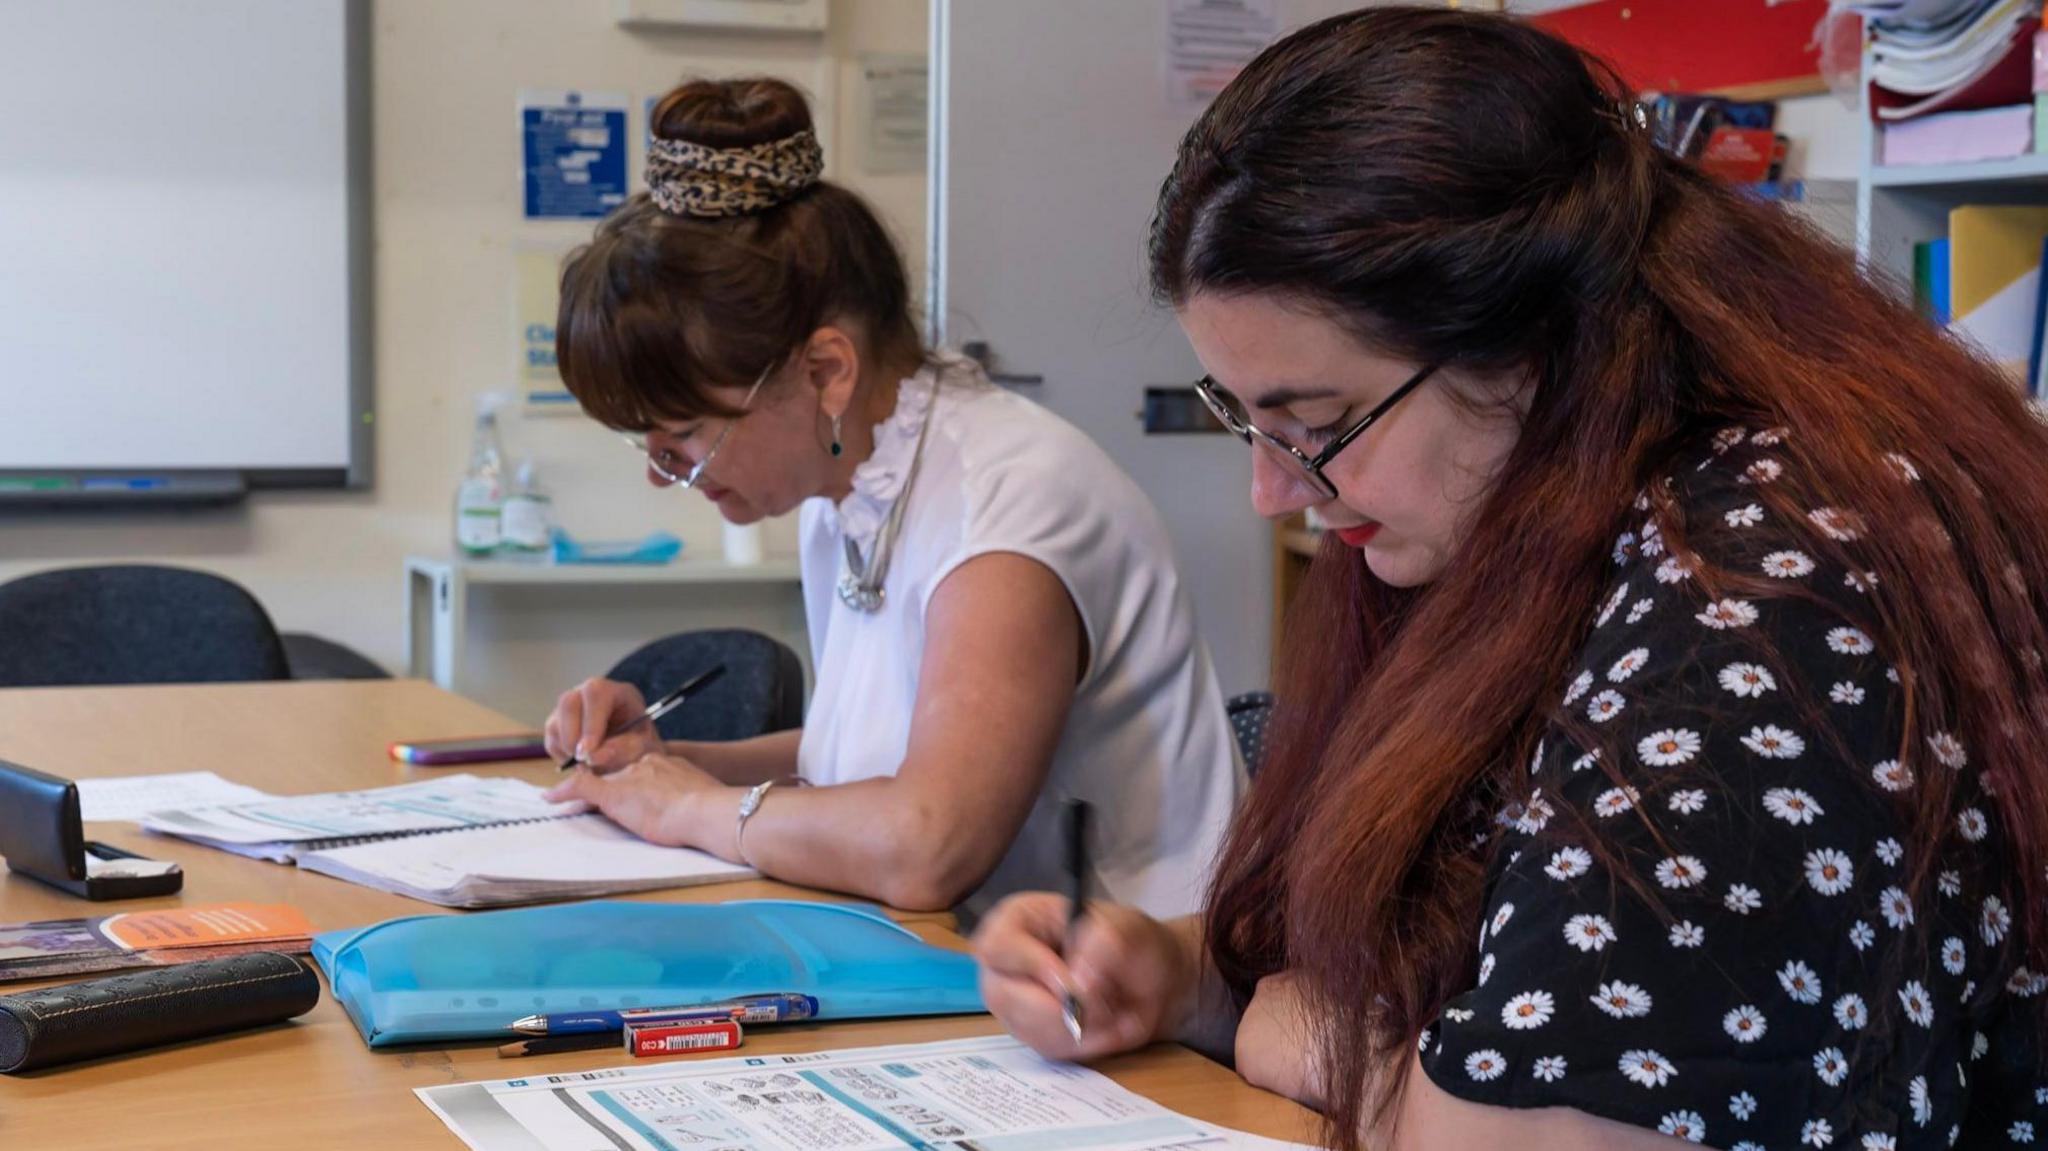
[1662, 729]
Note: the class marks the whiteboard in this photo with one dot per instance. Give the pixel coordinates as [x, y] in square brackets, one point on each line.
[183, 237]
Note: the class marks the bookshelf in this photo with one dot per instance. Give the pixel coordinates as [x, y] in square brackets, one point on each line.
[1986, 174]
[1899, 206]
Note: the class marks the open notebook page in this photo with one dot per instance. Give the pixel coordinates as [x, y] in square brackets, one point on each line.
[484, 867]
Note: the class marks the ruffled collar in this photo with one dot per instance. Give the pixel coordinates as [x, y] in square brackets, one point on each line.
[879, 479]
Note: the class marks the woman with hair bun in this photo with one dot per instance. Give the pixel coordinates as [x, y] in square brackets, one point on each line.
[995, 620]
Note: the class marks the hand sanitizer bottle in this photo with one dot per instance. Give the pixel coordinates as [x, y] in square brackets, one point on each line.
[527, 518]
[479, 500]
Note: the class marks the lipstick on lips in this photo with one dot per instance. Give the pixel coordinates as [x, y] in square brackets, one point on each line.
[1358, 536]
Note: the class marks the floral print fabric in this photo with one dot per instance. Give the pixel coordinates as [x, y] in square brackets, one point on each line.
[1703, 919]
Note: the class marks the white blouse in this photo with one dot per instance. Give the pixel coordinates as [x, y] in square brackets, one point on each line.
[1146, 741]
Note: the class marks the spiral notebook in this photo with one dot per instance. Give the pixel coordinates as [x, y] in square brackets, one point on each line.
[283, 829]
[576, 857]
[456, 840]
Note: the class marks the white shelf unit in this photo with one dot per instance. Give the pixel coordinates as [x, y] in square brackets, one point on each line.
[512, 634]
[1987, 172]
[1898, 206]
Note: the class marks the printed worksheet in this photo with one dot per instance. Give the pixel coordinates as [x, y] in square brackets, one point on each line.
[132, 797]
[268, 828]
[992, 1094]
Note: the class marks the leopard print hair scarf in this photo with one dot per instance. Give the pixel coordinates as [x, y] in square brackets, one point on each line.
[687, 179]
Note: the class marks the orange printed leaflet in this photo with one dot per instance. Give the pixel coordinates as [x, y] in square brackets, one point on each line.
[149, 939]
[206, 926]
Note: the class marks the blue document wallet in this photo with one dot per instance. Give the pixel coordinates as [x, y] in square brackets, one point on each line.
[440, 977]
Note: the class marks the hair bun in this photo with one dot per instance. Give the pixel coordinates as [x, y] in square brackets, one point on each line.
[731, 113]
[731, 148]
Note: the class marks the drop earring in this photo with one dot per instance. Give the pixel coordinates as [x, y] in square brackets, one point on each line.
[837, 449]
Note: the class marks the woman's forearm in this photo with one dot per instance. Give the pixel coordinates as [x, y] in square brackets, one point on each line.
[744, 762]
[874, 838]
[1207, 1016]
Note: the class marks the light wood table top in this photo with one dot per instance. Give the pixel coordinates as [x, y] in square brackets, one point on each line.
[313, 1082]
[286, 739]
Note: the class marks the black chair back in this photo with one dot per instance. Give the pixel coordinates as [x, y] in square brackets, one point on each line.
[1249, 714]
[761, 691]
[133, 625]
[317, 657]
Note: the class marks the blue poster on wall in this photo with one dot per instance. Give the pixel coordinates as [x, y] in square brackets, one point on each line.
[574, 151]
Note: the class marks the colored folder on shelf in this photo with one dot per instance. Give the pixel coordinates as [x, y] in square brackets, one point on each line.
[2034, 361]
[1994, 277]
[1930, 280]
[470, 976]
[1959, 137]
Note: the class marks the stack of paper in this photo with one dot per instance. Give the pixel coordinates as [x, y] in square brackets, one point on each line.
[991, 1093]
[575, 858]
[1948, 55]
[134, 796]
[1960, 137]
[282, 829]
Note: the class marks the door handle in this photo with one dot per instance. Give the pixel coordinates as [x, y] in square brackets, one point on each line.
[978, 351]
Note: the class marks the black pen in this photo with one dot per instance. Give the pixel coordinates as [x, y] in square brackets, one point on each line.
[658, 708]
[1077, 873]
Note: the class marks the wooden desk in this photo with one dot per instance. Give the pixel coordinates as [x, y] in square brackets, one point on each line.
[312, 1082]
[287, 739]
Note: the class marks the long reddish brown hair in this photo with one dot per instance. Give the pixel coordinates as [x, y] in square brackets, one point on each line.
[1464, 189]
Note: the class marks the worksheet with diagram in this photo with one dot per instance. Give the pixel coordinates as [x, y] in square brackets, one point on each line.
[991, 1093]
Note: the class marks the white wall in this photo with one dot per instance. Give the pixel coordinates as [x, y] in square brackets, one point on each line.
[1826, 137]
[447, 209]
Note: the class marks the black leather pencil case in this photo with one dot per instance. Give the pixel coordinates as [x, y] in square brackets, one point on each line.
[43, 838]
[148, 1008]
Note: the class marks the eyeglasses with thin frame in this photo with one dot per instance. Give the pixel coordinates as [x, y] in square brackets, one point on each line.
[663, 462]
[1231, 412]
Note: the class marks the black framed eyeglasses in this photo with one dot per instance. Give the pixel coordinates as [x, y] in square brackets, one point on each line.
[1231, 412]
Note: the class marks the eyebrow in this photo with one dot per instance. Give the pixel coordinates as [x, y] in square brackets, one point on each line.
[1282, 397]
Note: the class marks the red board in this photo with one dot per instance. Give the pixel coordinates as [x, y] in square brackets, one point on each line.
[1752, 46]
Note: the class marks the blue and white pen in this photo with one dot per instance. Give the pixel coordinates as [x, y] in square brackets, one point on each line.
[784, 1007]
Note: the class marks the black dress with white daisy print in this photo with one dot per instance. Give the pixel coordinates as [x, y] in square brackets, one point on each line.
[1709, 926]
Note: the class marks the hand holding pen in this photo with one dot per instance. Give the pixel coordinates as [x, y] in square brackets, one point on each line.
[589, 721]
[1124, 978]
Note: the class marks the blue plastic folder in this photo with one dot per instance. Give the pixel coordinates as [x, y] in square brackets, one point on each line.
[439, 977]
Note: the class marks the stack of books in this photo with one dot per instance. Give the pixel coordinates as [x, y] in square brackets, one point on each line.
[1952, 81]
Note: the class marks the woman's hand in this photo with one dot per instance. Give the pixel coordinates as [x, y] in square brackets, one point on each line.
[1275, 1044]
[1132, 975]
[649, 797]
[590, 709]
